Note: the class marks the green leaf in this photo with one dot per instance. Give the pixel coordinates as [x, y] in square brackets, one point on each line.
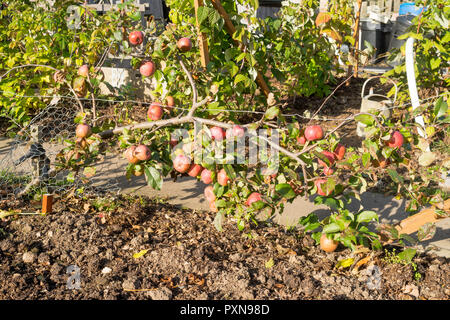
[440, 108]
[366, 159]
[272, 112]
[407, 255]
[218, 220]
[285, 190]
[331, 228]
[365, 119]
[395, 176]
[366, 216]
[154, 178]
[240, 78]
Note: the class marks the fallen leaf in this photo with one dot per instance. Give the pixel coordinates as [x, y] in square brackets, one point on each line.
[362, 262]
[344, 263]
[270, 263]
[427, 158]
[140, 254]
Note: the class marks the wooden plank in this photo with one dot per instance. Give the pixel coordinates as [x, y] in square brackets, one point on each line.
[414, 222]
[364, 13]
[388, 8]
[202, 41]
[396, 7]
[229, 27]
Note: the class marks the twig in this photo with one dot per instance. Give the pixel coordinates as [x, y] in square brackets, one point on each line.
[329, 96]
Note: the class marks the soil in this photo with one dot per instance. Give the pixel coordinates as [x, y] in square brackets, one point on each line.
[187, 258]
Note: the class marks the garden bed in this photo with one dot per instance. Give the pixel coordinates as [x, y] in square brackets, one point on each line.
[187, 258]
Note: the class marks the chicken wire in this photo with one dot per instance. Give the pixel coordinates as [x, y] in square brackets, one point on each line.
[28, 162]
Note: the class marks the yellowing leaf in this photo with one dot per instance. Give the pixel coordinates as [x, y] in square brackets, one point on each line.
[140, 254]
[345, 263]
[270, 263]
[426, 159]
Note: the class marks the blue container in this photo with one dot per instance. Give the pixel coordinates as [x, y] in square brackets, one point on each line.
[409, 8]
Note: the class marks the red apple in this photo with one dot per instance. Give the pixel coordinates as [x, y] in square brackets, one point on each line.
[236, 131]
[330, 157]
[136, 38]
[83, 70]
[184, 44]
[339, 151]
[396, 140]
[83, 131]
[318, 184]
[195, 170]
[209, 194]
[222, 178]
[206, 176]
[147, 69]
[170, 101]
[142, 152]
[313, 133]
[212, 206]
[328, 245]
[253, 197]
[129, 155]
[301, 140]
[181, 163]
[217, 133]
[155, 111]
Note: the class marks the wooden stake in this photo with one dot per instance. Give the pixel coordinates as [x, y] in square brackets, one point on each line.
[231, 30]
[202, 42]
[47, 203]
[356, 37]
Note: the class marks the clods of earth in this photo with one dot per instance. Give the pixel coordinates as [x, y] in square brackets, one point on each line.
[138, 248]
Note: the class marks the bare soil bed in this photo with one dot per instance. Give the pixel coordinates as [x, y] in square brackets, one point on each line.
[187, 258]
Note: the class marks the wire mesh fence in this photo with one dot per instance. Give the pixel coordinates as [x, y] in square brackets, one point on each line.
[29, 161]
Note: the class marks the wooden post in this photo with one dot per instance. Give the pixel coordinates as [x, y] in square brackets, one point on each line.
[231, 30]
[36, 137]
[202, 42]
[47, 203]
[356, 37]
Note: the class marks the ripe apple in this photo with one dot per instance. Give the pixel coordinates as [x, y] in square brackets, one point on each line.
[142, 152]
[301, 140]
[330, 157]
[83, 131]
[396, 140]
[313, 133]
[170, 101]
[222, 178]
[319, 188]
[236, 131]
[184, 44]
[212, 206]
[209, 194]
[327, 245]
[181, 163]
[253, 197]
[195, 170]
[206, 176]
[217, 133]
[155, 111]
[129, 155]
[339, 151]
[147, 69]
[136, 38]
[83, 70]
